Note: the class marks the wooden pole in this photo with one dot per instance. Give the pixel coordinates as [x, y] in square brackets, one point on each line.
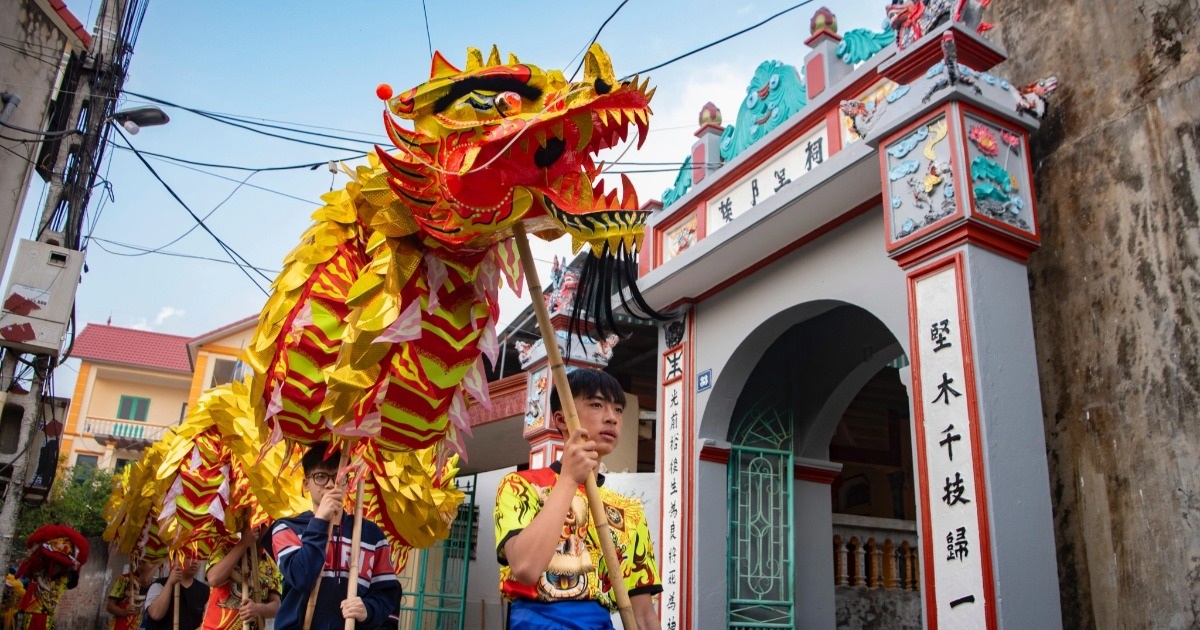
[558, 369]
[254, 582]
[244, 573]
[176, 607]
[337, 519]
[355, 543]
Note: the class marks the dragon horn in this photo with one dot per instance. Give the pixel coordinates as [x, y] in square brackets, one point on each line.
[474, 59]
[494, 58]
[441, 68]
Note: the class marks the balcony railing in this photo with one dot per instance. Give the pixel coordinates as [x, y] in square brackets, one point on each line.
[124, 433]
[875, 553]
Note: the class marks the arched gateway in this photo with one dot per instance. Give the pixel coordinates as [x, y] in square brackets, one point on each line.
[888, 221]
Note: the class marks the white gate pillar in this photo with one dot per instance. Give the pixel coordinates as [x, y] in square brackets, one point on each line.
[959, 218]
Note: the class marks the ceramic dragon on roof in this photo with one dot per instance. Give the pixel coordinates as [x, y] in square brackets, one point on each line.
[378, 324]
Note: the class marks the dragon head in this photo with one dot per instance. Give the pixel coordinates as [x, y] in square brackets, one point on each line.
[496, 143]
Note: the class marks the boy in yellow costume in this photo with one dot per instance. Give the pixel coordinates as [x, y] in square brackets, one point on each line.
[551, 563]
[228, 578]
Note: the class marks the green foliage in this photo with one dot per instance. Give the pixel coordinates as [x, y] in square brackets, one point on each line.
[77, 500]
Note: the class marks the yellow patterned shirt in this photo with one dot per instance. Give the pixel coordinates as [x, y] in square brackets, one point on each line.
[225, 600]
[122, 591]
[577, 571]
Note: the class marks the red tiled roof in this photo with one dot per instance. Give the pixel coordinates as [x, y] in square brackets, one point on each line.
[72, 22]
[126, 346]
[208, 336]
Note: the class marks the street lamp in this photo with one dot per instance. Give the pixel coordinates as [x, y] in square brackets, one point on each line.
[134, 119]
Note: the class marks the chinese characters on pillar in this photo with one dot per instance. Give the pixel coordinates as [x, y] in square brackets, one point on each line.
[791, 163]
[674, 464]
[950, 487]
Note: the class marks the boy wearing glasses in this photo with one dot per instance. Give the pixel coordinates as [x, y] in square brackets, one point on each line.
[300, 545]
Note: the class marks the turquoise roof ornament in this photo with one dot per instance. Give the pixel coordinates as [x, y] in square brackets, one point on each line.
[861, 44]
[683, 183]
[774, 94]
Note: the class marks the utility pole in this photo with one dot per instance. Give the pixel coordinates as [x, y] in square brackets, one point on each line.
[91, 86]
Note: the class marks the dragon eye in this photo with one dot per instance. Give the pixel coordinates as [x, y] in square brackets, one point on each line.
[774, 82]
[752, 99]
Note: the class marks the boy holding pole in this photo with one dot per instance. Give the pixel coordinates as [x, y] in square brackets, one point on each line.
[547, 545]
[306, 554]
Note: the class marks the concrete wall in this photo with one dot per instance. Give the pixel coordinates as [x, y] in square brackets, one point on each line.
[82, 608]
[1116, 299]
[861, 608]
[29, 72]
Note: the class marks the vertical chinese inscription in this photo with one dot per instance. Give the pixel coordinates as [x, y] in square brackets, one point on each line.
[674, 463]
[950, 487]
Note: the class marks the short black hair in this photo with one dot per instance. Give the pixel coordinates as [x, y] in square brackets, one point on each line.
[588, 382]
[316, 459]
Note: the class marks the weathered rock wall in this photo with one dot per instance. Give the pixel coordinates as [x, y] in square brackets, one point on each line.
[1116, 298]
[860, 608]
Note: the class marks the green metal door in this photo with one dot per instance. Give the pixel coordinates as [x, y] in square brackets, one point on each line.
[761, 547]
[435, 579]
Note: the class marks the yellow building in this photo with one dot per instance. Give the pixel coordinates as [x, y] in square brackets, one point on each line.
[134, 384]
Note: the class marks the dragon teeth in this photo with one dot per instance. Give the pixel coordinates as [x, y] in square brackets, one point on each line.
[629, 199]
[583, 123]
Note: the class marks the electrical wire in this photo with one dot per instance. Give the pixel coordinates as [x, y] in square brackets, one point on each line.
[597, 36]
[256, 119]
[193, 228]
[230, 179]
[229, 120]
[228, 250]
[47, 134]
[719, 41]
[428, 37]
[295, 167]
[46, 59]
[142, 251]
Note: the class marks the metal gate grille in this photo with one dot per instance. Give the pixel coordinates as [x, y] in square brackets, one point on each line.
[761, 548]
[435, 579]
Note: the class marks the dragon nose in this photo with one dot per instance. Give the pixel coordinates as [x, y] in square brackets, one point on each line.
[508, 102]
[766, 89]
[545, 156]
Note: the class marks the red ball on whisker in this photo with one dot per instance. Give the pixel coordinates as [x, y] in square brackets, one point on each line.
[384, 91]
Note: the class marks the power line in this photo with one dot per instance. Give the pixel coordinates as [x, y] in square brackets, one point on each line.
[228, 120]
[47, 134]
[255, 119]
[597, 36]
[719, 41]
[142, 251]
[428, 37]
[295, 167]
[168, 159]
[193, 228]
[228, 250]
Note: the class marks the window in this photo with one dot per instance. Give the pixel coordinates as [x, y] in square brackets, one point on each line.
[84, 464]
[133, 408]
[223, 372]
[121, 464]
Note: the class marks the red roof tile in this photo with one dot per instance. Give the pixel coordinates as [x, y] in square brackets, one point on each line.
[72, 22]
[142, 348]
[214, 334]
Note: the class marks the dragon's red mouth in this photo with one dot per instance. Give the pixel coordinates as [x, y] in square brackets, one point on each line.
[557, 157]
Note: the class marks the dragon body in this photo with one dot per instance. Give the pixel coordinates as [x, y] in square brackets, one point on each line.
[379, 322]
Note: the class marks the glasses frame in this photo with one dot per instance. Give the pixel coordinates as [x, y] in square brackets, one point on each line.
[330, 477]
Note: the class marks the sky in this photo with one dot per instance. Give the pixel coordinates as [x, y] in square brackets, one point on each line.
[315, 65]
